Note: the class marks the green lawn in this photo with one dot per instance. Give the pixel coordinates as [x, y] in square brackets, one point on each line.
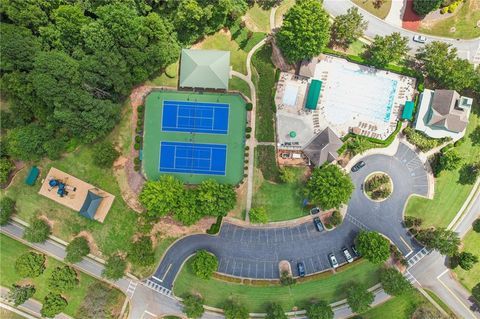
[11, 249]
[464, 21]
[449, 193]
[256, 298]
[369, 5]
[282, 9]
[283, 201]
[7, 314]
[223, 41]
[264, 80]
[401, 307]
[239, 85]
[166, 80]
[470, 278]
[144, 272]
[257, 19]
[357, 48]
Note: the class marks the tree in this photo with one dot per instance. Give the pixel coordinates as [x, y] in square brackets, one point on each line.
[441, 239]
[467, 260]
[388, 49]
[38, 231]
[104, 154]
[359, 298]
[336, 218]
[53, 304]
[19, 294]
[476, 292]
[329, 187]
[320, 310]
[99, 301]
[5, 169]
[305, 31]
[440, 62]
[373, 246]
[141, 252]
[63, 279]
[275, 311]
[476, 225]
[30, 265]
[7, 208]
[18, 49]
[77, 249]
[449, 160]
[193, 306]
[114, 267]
[258, 215]
[347, 28]
[26, 142]
[163, 196]
[187, 211]
[204, 264]
[287, 175]
[423, 7]
[235, 310]
[393, 281]
[215, 199]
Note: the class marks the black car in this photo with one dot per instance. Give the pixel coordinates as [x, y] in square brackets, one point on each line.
[318, 224]
[358, 166]
[314, 210]
[301, 269]
[355, 251]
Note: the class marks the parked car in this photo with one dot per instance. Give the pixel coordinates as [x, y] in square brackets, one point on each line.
[348, 257]
[358, 166]
[333, 260]
[301, 269]
[419, 38]
[314, 210]
[318, 224]
[355, 251]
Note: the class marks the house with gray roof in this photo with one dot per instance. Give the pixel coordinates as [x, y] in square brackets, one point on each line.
[204, 69]
[443, 113]
[323, 147]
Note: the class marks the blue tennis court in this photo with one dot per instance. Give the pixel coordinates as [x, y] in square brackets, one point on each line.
[196, 117]
[180, 157]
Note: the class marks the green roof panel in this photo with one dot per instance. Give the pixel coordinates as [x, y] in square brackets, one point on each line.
[206, 69]
[313, 94]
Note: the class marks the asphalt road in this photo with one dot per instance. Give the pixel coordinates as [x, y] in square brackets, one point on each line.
[468, 49]
[255, 252]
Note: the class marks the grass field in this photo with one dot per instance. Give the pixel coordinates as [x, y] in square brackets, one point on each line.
[11, 249]
[7, 314]
[357, 48]
[369, 5]
[144, 272]
[464, 21]
[234, 139]
[257, 19]
[282, 9]
[265, 83]
[256, 298]
[283, 201]
[166, 80]
[238, 84]
[223, 41]
[401, 307]
[449, 193]
[471, 243]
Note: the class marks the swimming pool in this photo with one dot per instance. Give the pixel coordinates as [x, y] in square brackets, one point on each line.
[356, 92]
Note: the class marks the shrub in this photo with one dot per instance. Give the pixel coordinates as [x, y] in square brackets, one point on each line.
[247, 148]
[249, 106]
[421, 87]
[193, 306]
[5, 169]
[38, 231]
[422, 141]
[286, 279]
[138, 138]
[141, 252]
[140, 108]
[247, 135]
[114, 267]
[204, 264]
[258, 215]
[235, 310]
[53, 304]
[266, 159]
[30, 265]
[275, 311]
[336, 218]
[248, 129]
[476, 225]
[104, 154]
[63, 279]
[411, 221]
[215, 228]
[136, 161]
[467, 260]
[136, 168]
[7, 208]
[20, 294]
[476, 292]
[136, 146]
[77, 249]
[287, 175]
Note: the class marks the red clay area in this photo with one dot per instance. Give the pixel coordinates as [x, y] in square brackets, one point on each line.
[411, 20]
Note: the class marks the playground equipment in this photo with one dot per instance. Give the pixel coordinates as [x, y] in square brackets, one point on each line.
[63, 189]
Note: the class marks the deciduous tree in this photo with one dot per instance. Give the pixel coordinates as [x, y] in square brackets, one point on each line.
[235, 310]
[441, 239]
[30, 265]
[388, 49]
[38, 231]
[19, 294]
[99, 301]
[373, 246]
[114, 267]
[347, 28]
[215, 199]
[393, 281]
[162, 197]
[193, 306]
[450, 160]
[53, 304]
[467, 260]
[359, 298]
[204, 264]
[77, 249]
[319, 310]
[141, 252]
[275, 311]
[63, 279]
[7, 208]
[305, 31]
[104, 154]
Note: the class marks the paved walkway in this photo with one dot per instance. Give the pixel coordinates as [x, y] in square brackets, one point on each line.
[395, 14]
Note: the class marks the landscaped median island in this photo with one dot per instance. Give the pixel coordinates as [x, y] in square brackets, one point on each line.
[378, 186]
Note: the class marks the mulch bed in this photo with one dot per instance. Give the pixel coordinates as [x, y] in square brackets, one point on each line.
[411, 20]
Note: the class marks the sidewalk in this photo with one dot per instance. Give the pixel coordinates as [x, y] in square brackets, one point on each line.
[395, 15]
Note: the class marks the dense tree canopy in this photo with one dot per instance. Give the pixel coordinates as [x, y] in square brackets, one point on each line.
[204, 264]
[63, 279]
[215, 199]
[347, 28]
[30, 265]
[373, 246]
[393, 281]
[163, 196]
[141, 252]
[329, 187]
[423, 7]
[114, 267]
[441, 239]
[388, 49]
[305, 31]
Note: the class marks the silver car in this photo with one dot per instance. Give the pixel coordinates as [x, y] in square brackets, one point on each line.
[348, 257]
[419, 38]
[333, 260]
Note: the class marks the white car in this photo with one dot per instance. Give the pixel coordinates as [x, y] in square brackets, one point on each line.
[333, 260]
[348, 257]
[419, 38]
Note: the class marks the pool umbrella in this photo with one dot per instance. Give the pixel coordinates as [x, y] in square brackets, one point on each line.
[293, 134]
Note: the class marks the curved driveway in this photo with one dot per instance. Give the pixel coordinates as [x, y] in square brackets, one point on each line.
[254, 252]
